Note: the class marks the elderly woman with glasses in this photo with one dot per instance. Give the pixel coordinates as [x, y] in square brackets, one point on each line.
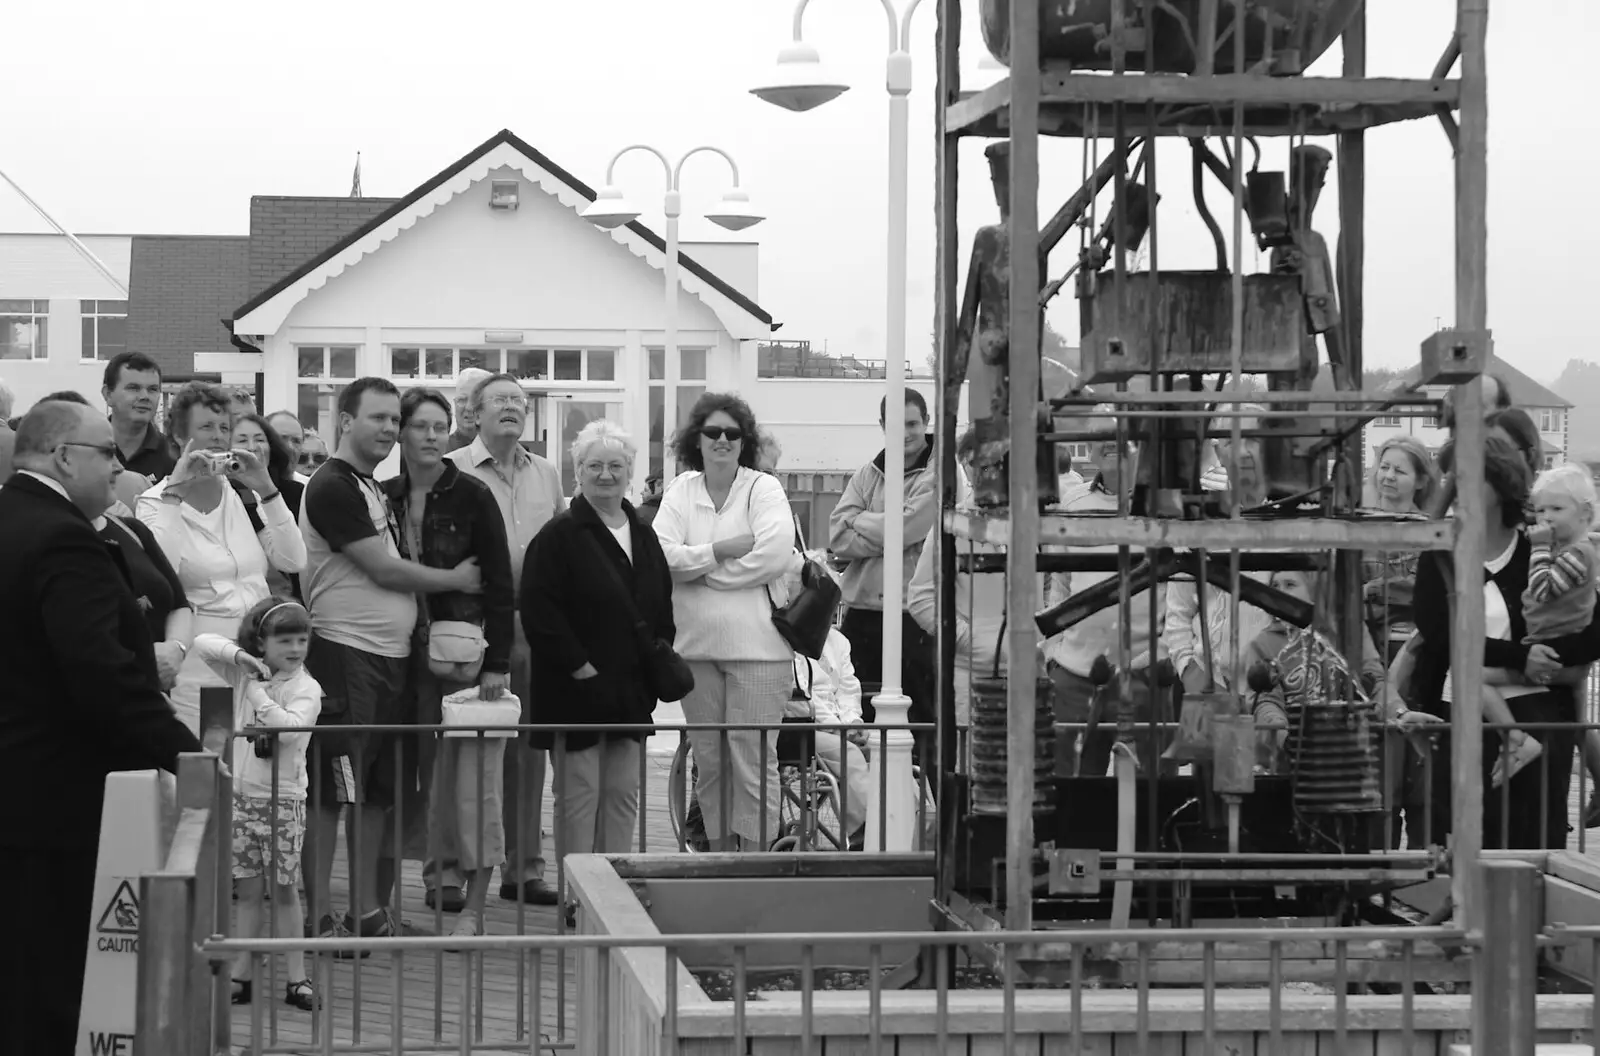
[593, 574]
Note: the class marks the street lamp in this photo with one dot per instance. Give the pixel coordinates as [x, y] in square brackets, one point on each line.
[611, 209]
[801, 83]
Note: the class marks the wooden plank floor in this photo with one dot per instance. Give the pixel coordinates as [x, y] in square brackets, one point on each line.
[502, 998]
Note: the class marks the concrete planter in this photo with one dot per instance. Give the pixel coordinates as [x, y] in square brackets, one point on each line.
[623, 1005]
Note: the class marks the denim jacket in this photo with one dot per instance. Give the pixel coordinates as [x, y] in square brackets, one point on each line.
[462, 520]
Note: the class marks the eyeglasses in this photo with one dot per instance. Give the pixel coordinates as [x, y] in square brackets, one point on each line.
[309, 459]
[109, 450]
[506, 400]
[718, 432]
[616, 469]
[429, 428]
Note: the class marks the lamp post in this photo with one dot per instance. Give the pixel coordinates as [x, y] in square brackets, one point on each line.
[802, 83]
[610, 209]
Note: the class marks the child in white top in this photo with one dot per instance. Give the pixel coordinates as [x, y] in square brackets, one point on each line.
[270, 688]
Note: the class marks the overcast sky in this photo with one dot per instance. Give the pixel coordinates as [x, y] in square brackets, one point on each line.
[166, 116]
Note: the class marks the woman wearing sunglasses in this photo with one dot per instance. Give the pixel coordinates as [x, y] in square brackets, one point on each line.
[728, 536]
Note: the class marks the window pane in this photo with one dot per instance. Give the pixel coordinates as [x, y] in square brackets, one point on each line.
[113, 336]
[658, 401]
[112, 307]
[41, 337]
[482, 358]
[526, 363]
[658, 364]
[16, 307]
[602, 364]
[405, 362]
[311, 365]
[87, 349]
[569, 365]
[687, 395]
[440, 362]
[317, 407]
[86, 307]
[342, 362]
[16, 337]
[692, 364]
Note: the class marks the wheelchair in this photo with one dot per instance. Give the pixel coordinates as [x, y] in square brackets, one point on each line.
[809, 816]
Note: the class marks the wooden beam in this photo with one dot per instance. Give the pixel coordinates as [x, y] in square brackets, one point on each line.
[768, 866]
[1248, 89]
[1022, 655]
[970, 108]
[1293, 534]
[1467, 633]
[1350, 272]
[1318, 400]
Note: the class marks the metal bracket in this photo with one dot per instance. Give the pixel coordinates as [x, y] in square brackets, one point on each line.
[1451, 357]
[1074, 871]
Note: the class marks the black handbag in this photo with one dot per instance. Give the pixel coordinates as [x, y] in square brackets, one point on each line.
[804, 622]
[665, 672]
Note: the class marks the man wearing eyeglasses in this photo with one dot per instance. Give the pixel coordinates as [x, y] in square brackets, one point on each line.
[293, 434]
[467, 384]
[528, 491]
[81, 697]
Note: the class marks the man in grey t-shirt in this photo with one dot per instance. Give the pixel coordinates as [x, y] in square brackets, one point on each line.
[362, 599]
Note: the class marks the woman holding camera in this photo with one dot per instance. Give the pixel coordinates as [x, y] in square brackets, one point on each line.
[222, 523]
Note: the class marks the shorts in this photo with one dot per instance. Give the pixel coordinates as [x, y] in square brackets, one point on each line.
[359, 689]
[262, 834]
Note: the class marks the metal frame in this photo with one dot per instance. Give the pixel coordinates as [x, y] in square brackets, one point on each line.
[1031, 102]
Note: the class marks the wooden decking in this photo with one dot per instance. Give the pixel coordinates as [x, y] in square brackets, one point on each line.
[502, 1000]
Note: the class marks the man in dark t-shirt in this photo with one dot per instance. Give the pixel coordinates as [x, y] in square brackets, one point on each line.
[362, 599]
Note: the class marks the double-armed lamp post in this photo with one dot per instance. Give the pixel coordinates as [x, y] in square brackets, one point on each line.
[611, 209]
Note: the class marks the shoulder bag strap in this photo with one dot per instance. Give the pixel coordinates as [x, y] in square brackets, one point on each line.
[129, 532]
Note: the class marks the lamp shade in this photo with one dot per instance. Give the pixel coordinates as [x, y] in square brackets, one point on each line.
[734, 212]
[800, 81]
[610, 209]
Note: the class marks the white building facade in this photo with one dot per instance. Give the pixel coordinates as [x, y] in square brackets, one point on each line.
[60, 317]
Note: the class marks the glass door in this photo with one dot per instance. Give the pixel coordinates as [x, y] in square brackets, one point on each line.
[566, 415]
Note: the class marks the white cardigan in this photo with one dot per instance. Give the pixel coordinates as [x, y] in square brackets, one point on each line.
[223, 571]
[721, 608]
[293, 699]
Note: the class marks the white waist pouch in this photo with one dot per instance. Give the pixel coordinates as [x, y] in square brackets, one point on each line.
[467, 709]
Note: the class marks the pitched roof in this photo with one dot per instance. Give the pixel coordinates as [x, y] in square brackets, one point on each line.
[286, 232]
[180, 288]
[1525, 392]
[504, 148]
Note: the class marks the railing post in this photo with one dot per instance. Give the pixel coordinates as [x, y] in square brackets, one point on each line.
[1505, 977]
[893, 799]
[216, 735]
[162, 1023]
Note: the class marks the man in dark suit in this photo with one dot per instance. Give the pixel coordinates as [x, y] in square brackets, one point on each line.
[79, 698]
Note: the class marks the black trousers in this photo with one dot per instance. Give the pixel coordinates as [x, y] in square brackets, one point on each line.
[864, 628]
[49, 896]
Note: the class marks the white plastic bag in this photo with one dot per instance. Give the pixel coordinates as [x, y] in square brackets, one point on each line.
[468, 709]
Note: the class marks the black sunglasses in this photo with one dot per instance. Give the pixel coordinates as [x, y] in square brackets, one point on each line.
[717, 432]
[307, 459]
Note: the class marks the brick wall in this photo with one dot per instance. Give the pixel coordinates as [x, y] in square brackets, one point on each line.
[180, 290]
[286, 233]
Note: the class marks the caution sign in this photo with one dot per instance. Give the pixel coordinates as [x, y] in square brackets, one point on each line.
[133, 838]
[121, 915]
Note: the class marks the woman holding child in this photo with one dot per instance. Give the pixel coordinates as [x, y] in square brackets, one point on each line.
[1526, 675]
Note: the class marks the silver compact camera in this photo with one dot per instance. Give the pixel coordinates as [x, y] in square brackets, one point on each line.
[223, 462]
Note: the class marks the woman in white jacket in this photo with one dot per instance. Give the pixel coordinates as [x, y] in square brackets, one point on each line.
[220, 526]
[728, 535]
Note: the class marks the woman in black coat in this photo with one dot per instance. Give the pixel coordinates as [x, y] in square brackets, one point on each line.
[1532, 811]
[591, 574]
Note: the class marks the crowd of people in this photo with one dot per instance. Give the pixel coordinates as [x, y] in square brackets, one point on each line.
[231, 549]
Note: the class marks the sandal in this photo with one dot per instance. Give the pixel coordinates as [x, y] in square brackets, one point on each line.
[301, 995]
[242, 992]
[1509, 765]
